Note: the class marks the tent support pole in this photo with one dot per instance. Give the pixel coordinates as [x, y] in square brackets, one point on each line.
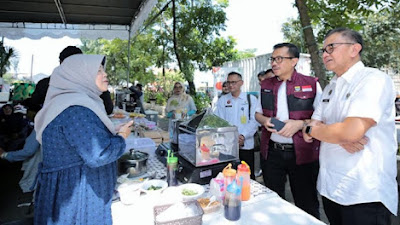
[129, 57]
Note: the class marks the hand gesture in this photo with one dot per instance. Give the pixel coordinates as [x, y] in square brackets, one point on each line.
[291, 127]
[353, 147]
[307, 138]
[125, 129]
[241, 140]
[269, 126]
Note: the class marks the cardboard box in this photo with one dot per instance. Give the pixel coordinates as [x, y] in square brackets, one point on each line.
[158, 136]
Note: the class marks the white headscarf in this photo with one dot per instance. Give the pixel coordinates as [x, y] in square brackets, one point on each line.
[178, 101]
[73, 83]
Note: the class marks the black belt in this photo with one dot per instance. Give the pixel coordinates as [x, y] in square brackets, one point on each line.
[281, 146]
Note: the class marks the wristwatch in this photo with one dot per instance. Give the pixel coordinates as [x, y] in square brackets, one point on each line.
[308, 130]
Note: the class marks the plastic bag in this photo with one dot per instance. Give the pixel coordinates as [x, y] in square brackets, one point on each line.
[217, 186]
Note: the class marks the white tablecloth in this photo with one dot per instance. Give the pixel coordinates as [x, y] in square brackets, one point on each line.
[264, 206]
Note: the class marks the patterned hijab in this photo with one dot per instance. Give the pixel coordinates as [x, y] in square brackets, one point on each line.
[73, 83]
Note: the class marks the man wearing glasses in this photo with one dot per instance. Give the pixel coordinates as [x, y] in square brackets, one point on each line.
[355, 124]
[289, 97]
[235, 108]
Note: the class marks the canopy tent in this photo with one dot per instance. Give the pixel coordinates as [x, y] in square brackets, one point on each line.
[91, 19]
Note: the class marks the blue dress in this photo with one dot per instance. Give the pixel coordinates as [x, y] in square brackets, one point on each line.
[79, 172]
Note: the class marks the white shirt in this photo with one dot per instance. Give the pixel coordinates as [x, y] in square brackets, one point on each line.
[282, 112]
[370, 174]
[232, 109]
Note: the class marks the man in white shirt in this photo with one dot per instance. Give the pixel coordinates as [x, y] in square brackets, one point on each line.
[290, 97]
[234, 107]
[355, 124]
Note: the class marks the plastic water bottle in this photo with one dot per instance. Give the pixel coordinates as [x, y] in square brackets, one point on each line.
[229, 175]
[172, 165]
[232, 202]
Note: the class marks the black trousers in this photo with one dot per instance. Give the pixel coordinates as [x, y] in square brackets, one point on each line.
[374, 213]
[248, 157]
[303, 178]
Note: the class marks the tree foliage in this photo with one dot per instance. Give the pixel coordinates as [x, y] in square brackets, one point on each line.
[198, 44]
[6, 54]
[143, 55]
[328, 14]
[293, 33]
[381, 35]
[190, 33]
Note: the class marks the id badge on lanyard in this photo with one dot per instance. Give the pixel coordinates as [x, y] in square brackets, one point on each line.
[243, 118]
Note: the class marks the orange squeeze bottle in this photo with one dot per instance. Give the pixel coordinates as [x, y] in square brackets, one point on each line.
[244, 172]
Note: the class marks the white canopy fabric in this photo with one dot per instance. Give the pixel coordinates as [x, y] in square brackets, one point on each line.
[92, 19]
[37, 31]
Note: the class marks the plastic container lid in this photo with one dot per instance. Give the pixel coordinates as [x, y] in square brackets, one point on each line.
[228, 171]
[204, 148]
[171, 158]
[244, 168]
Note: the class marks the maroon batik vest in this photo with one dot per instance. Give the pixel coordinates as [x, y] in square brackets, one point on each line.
[300, 92]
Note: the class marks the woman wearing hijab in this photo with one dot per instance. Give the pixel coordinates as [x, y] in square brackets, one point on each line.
[13, 129]
[80, 146]
[180, 102]
[225, 88]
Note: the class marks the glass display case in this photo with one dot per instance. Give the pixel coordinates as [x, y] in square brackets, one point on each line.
[207, 145]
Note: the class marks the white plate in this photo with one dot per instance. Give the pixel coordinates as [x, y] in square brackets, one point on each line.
[156, 183]
[198, 189]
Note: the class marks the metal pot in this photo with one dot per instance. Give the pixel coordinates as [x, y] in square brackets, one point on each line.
[134, 163]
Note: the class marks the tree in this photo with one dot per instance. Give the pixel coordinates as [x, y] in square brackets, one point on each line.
[325, 15]
[192, 43]
[311, 42]
[143, 56]
[293, 33]
[190, 31]
[6, 54]
[381, 35]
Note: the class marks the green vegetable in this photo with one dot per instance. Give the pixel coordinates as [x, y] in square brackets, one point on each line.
[153, 188]
[189, 192]
[213, 121]
[174, 103]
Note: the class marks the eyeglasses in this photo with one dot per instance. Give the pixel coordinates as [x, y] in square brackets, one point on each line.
[232, 82]
[279, 59]
[331, 47]
[178, 87]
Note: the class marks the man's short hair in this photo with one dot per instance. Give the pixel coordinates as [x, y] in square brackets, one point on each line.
[68, 51]
[349, 34]
[293, 50]
[264, 72]
[235, 73]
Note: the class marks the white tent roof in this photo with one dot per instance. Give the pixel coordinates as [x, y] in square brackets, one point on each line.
[73, 18]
